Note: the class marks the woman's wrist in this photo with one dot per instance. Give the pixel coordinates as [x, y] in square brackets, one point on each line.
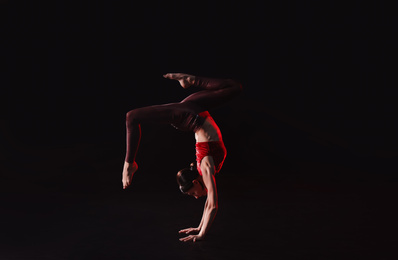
[201, 234]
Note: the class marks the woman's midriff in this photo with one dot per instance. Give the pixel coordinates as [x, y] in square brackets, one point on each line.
[209, 132]
[215, 149]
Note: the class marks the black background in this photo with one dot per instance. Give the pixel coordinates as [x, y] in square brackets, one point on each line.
[318, 111]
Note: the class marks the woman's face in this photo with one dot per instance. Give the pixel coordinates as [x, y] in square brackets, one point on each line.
[198, 190]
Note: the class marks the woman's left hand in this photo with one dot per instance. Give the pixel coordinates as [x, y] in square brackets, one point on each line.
[193, 238]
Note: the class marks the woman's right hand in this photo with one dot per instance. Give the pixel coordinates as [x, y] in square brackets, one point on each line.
[190, 230]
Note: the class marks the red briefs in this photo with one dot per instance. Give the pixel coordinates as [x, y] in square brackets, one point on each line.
[215, 149]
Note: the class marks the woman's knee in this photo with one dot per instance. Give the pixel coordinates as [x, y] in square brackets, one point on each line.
[132, 117]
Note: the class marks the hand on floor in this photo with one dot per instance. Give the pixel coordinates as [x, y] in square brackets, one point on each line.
[192, 238]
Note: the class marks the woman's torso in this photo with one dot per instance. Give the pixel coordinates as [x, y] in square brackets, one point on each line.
[209, 142]
[209, 131]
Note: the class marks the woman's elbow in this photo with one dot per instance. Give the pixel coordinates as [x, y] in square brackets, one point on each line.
[212, 207]
[213, 210]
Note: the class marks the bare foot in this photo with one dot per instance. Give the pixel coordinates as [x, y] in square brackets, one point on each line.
[185, 80]
[128, 171]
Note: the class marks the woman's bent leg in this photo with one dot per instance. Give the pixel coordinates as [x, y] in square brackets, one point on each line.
[214, 92]
[174, 113]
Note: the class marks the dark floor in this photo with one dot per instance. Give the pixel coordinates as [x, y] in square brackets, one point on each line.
[84, 214]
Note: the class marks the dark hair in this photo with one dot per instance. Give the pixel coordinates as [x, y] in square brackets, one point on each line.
[186, 176]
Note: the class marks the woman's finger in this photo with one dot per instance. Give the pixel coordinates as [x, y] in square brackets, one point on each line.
[188, 239]
[185, 230]
[185, 239]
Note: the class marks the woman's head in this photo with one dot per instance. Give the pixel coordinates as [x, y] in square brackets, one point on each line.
[191, 182]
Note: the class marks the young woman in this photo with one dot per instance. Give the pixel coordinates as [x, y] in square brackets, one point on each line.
[190, 114]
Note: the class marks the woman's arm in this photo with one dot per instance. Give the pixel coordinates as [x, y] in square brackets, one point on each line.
[203, 216]
[211, 206]
[207, 167]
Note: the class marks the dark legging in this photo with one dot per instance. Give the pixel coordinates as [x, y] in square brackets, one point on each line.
[183, 115]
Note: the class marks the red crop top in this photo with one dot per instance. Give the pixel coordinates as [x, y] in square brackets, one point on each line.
[216, 149]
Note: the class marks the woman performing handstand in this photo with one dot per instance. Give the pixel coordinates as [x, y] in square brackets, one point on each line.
[190, 114]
